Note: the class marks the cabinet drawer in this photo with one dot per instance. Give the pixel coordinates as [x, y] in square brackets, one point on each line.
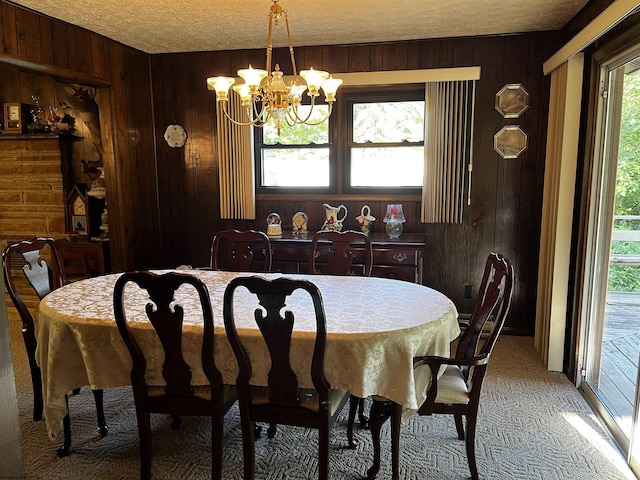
[396, 256]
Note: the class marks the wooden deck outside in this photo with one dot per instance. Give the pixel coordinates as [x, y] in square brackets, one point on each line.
[620, 350]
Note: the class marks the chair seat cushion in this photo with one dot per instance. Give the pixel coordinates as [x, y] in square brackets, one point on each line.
[201, 391]
[308, 398]
[452, 389]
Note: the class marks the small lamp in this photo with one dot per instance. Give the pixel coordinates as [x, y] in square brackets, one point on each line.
[393, 220]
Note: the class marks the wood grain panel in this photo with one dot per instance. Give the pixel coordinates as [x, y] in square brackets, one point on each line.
[46, 43]
[60, 46]
[201, 152]
[9, 33]
[28, 35]
[72, 50]
[100, 65]
[83, 49]
[395, 56]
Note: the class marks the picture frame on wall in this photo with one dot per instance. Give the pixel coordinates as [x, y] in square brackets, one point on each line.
[512, 100]
[510, 141]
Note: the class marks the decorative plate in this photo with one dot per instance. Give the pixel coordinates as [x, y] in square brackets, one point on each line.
[175, 136]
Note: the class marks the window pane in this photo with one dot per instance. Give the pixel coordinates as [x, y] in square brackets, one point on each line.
[388, 122]
[303, 167]
[387, 167]
[300, 134]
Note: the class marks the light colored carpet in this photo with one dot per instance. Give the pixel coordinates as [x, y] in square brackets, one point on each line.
[533, 424]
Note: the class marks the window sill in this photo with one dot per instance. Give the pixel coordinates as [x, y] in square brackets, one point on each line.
[400, 197]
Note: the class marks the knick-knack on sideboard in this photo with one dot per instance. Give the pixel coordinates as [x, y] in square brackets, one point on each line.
[333, 220]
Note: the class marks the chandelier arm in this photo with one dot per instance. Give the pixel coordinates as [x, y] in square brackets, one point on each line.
[255, 114]
[293, 114]
[306, 122]
[254, 121]
[297, 120]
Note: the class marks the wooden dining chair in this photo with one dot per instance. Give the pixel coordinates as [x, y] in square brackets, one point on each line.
[283, 401]
[26, 271]
[177, 395]
[339, 250]
[457, 391]
[236, 251]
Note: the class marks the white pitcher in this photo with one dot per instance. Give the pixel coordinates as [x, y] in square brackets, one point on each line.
[333, 220]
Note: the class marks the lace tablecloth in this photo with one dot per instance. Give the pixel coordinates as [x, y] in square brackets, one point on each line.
[375, 327]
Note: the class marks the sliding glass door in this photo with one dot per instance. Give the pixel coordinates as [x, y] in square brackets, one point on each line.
[611, 308]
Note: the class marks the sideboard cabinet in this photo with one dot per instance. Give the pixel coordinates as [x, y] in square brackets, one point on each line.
[399, 258]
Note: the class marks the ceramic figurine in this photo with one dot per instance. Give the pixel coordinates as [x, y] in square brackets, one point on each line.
[365, 219]
[299, 224]
[333, 220]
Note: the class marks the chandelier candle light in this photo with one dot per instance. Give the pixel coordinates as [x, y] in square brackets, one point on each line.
[393, 220]
[264, 93]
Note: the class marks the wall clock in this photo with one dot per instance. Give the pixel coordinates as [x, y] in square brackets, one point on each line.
[175, 136]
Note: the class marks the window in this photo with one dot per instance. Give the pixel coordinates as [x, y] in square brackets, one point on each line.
[297, 157]
[372, 143]
[385, 140]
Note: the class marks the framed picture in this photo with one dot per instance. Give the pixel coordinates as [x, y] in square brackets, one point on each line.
[79, 224]
[512, 100]
[510, 141]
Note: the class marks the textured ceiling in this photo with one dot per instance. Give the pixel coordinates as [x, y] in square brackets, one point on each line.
[163, 26]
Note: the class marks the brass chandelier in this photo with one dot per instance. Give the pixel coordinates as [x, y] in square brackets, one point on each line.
[266, 96]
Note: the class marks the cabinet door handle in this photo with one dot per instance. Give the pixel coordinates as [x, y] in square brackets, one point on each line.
[400, 257]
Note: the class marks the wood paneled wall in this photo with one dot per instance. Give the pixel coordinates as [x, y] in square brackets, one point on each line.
[35, 52]
[163, 201]
[505, 212]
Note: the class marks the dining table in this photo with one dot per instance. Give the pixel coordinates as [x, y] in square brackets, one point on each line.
[375, 326]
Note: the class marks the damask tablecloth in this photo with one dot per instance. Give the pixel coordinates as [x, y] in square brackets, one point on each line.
[375, 326]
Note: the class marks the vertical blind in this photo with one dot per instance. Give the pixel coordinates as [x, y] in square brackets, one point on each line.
[235, 159]
[448, 147]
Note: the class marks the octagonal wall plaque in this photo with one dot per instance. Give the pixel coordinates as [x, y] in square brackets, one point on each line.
[510, 141]
[512, 100]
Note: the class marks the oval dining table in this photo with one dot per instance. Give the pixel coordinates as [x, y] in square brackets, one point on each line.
[375, 326]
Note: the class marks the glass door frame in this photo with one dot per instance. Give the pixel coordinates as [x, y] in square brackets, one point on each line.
[598, 241]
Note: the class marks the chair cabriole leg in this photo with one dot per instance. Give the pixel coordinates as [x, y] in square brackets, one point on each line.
[379, 413]
[98, 396]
